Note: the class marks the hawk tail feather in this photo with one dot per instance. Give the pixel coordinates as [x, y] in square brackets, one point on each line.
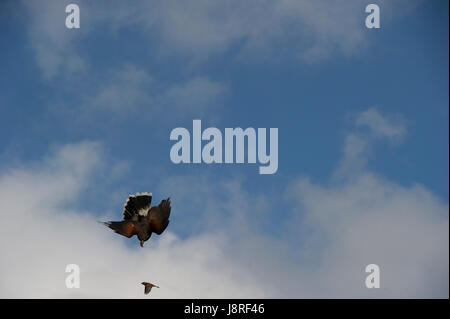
[136, 205]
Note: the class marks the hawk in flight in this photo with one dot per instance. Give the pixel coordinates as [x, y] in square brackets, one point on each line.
[140, 219]
[148, 287]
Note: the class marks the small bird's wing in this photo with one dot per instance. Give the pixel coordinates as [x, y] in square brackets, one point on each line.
[147, 289]
[124, 228]
[137, 205]
[159, 216]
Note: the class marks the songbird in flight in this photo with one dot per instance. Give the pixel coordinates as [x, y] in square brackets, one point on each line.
[148, 287]
[140, 219]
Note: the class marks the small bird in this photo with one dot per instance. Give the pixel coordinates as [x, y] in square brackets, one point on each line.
[141, 220]
[148, 287]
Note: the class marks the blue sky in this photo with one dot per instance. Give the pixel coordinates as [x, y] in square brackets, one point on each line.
[113, 81]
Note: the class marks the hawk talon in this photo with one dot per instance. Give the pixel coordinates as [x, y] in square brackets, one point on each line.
[141, 243]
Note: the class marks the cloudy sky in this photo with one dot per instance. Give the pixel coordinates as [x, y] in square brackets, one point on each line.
[363, 174]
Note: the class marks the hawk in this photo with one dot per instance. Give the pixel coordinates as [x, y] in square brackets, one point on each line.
[140, 219]
[148, 287]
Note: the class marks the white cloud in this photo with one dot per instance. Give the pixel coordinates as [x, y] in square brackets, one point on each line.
[368, 220]
[44, 235]
[361, 218]
[332, 232]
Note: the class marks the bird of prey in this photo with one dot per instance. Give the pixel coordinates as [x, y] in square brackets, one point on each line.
[148, 287]
[140, 219]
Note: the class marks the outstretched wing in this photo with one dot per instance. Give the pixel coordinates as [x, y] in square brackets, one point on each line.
[159, 216]
[124, 228]
[147, 289]
[137, 205]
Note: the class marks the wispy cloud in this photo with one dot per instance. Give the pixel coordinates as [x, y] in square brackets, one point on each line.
[125, 89]
[306, 30]
[129, 88]
[53, 44]
[194, 94]
[381, 126]
[369, 126]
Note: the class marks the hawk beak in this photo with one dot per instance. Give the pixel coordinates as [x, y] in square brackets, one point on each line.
[141, 243]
